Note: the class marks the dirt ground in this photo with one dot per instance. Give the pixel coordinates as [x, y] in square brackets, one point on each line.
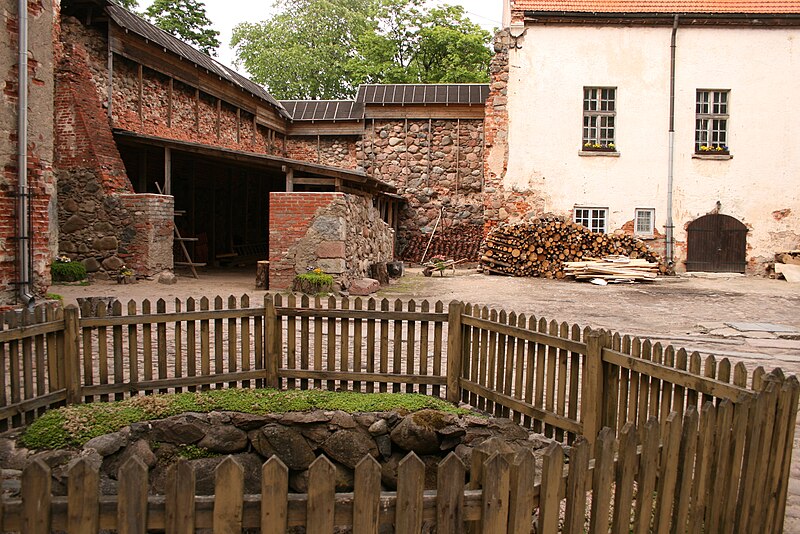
[690, 312]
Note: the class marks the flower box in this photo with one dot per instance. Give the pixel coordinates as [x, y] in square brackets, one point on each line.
[592, 148]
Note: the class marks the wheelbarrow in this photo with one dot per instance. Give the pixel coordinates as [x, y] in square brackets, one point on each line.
[439, 265]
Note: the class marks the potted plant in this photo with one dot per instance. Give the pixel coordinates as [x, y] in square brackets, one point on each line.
[717, 149]
[592, 146]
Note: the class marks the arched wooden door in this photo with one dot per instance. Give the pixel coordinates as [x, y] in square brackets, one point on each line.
[716, 243]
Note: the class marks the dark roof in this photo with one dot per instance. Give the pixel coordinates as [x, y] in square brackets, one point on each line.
[141, 27]
[404, 94]
[324, 110]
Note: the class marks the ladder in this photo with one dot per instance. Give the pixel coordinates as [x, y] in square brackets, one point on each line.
[183, 240]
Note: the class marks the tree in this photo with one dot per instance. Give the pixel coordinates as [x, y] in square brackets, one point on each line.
[186, 20]
[130, 5]
[323, 49]
[303, 51]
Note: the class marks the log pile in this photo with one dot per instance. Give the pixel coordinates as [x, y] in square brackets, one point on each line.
[540, 247]
[612, 269]
[453, 243]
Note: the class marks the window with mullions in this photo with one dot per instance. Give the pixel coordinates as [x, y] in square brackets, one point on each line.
[599, 111]
[595, 219]
[711, 122]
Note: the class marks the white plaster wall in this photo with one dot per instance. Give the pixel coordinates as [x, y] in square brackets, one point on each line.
[761, 68]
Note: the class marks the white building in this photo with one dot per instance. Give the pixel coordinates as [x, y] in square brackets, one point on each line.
[591, 128]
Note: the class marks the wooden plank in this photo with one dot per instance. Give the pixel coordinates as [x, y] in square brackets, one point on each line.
[454, 349]
[411, 343]
[710, 387]
[491, 364]
[603, 476]
[624, 385]
[35, 494]
[274, 496]
[483, 359]
[33, 404]
[731, 478]
[666, 385]
[3, 376]
[496, 479]
[71, 357]
[366, 495]
[271, 348]
[117, 348]
[102, 350]
[245, 347]
[305, 332]
[521, 500]
[321, 496]
[161, 335]
[384, 377]
[530, 366]
[424, 349]
[633, 380]
[501, 364]
[390, 315]
[549, 500]
[147, 345]
[758, 514]
[371, 343]
[132, 497]
[53, 362]
[291, 339]
[180, 517]
[790, 393]
[552, 362]
[151, 319]
[643, 409]
[83, 513]
[563, 378]
[133, 346]
[344, 346]
[575, 513]
[233, 339]
[685, 467]
[692, 397]
[39, 355]
[331, 338]
[191, 343]
[626, 471]
[358, 344]
[591, 418]
[26, 331]
[655, 386]
[646, 478]
[519, 369]
[317, 342]
[509, 364]
[710, 372]
[384, 343]
[718, 492]
[219, 343]
[228, 492]
[410, 484]
[540, 337]
[449, 495]
[205, 341]
[703, 477]
[667, 476]
[397, 344]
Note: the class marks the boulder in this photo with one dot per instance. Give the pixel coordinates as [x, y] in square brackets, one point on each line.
[379, 427]
[343, 420]
[167, 278]
[364, 286]
[349, 447]
[345, 478]
[389, 471]
[316, 416]
[113, 263]
[285, 443]
[224, 439]
[182, 429]
[418, 432]
[205, 473]
[108, 444]
[248, 421]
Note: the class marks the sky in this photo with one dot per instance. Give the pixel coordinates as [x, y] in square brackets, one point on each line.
[225, 14]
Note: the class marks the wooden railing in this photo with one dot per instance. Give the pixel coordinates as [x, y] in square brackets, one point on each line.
[709, 472]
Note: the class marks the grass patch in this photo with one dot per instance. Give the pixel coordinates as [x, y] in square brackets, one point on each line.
[67, 271]
[313, 283]
[72, 426]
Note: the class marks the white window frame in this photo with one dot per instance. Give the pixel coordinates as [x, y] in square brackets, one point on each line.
[592, 217]
[712, 121]
[599, 130]
[650, 231]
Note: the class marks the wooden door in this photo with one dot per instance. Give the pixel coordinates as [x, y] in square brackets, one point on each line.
[716, 243]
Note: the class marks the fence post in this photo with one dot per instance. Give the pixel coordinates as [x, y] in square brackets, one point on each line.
[72, 366]
[592, 404]
[271, 350]
[454, 351]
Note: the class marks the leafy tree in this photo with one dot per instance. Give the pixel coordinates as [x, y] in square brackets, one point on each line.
[324, 49]
[130, 5]
[303, 51]
[186, 20]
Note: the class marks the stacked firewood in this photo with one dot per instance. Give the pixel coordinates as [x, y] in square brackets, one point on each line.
[612, 269]
[453, 243]
[540, 247]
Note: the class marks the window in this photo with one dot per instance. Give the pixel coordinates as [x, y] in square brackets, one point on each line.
[599, 110]
[644, 221]
[592, 218]
[711, 122]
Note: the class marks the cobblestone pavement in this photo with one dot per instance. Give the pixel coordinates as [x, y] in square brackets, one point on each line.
[691, 312]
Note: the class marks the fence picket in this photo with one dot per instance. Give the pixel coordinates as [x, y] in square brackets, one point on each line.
[438, 340]
[521, 502]
[245, 340]
[646, 478]
[191, 343]
[228, 490]
[722, 465]
[655, 386]
[83, 512]
[318, 342]
[358, 339]
[291, 340]
[219, 346]
[704, 476]
[27, 362]
[626, 471]
[549, 500]
[624, 384]
[366, 496]
[274, 495]
[575, 372]
[501, 364]
[552, 364]
[666, 385]
[685, 467]
[667, 477]
[450, 495]
[180, 506]
[790, 392]
[36, 498]
[371, 305]
[732, 475]
[519, 371]
[563, 379]
[178, 368]
[602, 478]
[541, 357]
[233, 338]
[39, 355]
[496, 479]
[4, 379]
[205, 343]
[410, 341]
[484, 359]
[116, 336]
[102, 350]
[679, 392]
[575, 513]
[643, 410]
[132, 497]
[692, 397]
[161, 340]
[530, 367]
[321, 495]
[384, 347]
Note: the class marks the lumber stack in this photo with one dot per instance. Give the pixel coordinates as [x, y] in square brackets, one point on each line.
[456, 243]
[541, 246]
[612, 269]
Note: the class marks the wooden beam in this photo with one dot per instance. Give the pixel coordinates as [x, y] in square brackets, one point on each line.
[289, 179]
[438, 111]
[307, 180]
[167, 170]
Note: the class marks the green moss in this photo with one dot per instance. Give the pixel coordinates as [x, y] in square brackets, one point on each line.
[193, 452]
[69, 271]
[75, 425]
[313, 282]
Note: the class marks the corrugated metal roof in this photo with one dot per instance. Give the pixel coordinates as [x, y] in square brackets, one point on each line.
[404, 94]
[660, 6]
[324, 110]
[141, 27]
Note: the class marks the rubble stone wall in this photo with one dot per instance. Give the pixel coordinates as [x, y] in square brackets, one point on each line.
[338, 233]
[336, 151]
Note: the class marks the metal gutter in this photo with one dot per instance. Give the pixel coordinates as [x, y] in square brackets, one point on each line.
[665, 17]
[670, 225]
[24, 256]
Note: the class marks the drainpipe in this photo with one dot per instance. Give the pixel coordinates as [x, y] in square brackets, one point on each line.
[670, 227]
[23, 199]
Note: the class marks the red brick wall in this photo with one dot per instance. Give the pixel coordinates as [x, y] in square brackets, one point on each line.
[290, 216]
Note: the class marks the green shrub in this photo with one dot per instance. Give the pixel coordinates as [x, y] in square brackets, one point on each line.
[67, 271]
[54, 296]
[313, 282]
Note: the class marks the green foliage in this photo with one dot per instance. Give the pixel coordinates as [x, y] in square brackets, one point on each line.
[313, 282]
[186, 20]
[193, 452]
[130, 5]
[54, 296]
[318, 49]
[69, 271]
[72, 426]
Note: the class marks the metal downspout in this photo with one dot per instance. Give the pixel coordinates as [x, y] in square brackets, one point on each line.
[670, 227]
[23, 198]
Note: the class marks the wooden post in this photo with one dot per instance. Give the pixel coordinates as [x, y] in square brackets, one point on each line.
[167, 170]
[72, 363]
[454, 351]
[592, 403]
[271, 350]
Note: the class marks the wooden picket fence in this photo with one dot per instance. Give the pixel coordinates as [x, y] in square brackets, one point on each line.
[556, 378]
[709, 472]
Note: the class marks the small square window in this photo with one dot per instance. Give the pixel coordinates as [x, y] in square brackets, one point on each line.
[595, 219]
[645, 221]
